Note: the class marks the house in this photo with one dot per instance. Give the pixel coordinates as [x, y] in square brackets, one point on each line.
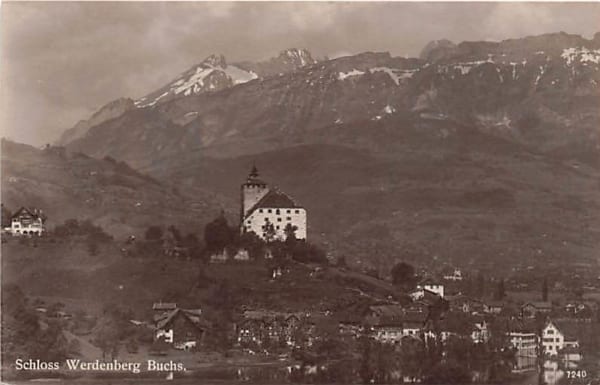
[455, 276]
[465, 304]
[161, 307]
[494, 307]
[183, 328]
[388, 331]
[571, 355]
[258, 328]
[413, 323]
[523, 337]
[27, 222]
[392, 327]
[351, 326]
[458, 324]
[530, 309]
[480, 332]
[553, 339]
[269, 213]
[432, 287]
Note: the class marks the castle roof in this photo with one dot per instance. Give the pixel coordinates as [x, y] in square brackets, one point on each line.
[275, 199]
[253, 177]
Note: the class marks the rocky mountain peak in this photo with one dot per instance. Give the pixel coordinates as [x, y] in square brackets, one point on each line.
[215, 60]
[436, 49]
[296, 56]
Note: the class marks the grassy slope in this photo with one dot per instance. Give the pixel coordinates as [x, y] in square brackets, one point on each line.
[113, 195]
[464, 198]
[66, 272]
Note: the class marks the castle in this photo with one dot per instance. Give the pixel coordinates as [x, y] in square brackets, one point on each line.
[269, 213]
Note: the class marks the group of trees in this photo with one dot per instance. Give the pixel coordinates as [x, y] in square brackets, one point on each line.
[404, 276]
[158, 242]
[22, 333]
[94, 235]
[114, 331]
[219, 236]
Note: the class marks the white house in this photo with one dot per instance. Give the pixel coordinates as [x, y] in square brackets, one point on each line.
[456, 276]
[553, 339]
[430, 286]
[27, 222]
[268, 212]
[524, 341]
[480, 332]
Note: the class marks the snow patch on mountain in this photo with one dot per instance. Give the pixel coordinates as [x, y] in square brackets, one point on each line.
[395, 74]
[206, 76]
[389, 109]
[299, 56]
[583, 54]
[152, 103]
[466, 67]
[354, 72]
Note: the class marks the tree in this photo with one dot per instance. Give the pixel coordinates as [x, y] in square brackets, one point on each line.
[290, 233]
[153, 233]
[252, 243]
[500, 292]
[403, 276]
[545, 290]
[480, 285]
[218, 234]
[6, 216]
[268, 232]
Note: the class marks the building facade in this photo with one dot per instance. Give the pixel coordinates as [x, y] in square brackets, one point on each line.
[552, 339]
[269, 213]
[27, 222]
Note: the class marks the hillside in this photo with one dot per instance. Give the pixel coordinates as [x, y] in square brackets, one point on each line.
[468, 205]
[61, 269]
[474, 153]
[110, 193]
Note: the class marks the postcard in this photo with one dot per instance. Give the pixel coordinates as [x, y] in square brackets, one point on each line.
[300, 192]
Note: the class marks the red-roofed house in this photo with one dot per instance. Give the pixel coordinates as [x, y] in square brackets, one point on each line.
[269, 211]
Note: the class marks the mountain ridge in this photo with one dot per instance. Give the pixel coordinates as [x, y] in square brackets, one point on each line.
[510, 88]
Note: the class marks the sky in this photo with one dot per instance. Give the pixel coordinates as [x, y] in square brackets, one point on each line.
[61, 61]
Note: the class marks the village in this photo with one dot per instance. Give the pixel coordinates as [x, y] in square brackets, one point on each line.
[413, 325]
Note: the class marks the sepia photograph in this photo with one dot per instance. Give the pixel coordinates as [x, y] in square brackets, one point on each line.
[274, 193]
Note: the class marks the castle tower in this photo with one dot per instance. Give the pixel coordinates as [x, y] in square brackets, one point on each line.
[253, 190]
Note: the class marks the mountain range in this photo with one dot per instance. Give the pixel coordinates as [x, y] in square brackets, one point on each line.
[472, 152]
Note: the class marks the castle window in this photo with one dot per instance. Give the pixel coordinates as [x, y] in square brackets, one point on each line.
[270, 211]
[289, 218]
[277, 227]
[249, 222]
[260, 210]
[277, 212]
[288, 211]
[266, 219]
[297, 211]
[278, 219]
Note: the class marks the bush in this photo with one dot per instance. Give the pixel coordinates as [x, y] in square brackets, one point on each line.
[153, 233]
